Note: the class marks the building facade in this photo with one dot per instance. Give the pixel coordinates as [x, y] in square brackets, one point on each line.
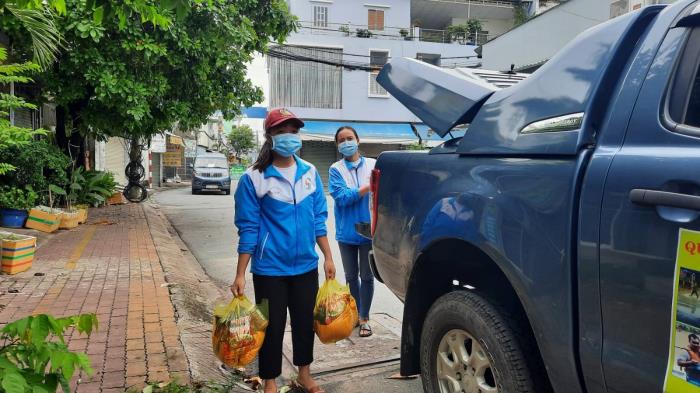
[326, 72]
[531, 44]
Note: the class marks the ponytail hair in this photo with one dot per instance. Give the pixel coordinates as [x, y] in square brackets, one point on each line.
[264, 159]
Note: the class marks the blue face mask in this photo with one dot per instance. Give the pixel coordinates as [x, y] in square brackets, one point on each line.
[286, 144]
[348, 148]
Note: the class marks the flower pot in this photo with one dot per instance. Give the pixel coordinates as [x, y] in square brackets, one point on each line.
[83, 210]
[116, 199]
[42, 220]
[17, 253]
[12, 218]
[69, 220]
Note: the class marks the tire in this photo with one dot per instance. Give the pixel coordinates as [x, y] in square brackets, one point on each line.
[489, 333]
[194, 192]
[228, 192]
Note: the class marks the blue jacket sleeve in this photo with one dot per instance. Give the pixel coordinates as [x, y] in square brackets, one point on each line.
[341, 193]
[320, 209]
[247, 216]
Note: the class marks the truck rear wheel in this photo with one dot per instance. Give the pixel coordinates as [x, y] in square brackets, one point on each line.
[469, 346]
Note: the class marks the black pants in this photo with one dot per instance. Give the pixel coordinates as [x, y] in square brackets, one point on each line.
[298, 293]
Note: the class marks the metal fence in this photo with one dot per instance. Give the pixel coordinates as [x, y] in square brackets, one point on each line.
[393, 33]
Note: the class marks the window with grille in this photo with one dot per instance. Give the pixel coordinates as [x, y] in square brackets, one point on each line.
[377, 60]
[375, 19]
[320, 16]
[296, 82]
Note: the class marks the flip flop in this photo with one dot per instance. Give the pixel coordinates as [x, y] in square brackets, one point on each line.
[315, 389]
[366, 329]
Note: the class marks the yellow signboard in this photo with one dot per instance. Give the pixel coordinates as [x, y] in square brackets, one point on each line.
[172, 159]
[683, 372]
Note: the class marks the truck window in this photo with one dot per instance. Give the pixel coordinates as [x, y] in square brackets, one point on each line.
[692, 114]
[684, 95]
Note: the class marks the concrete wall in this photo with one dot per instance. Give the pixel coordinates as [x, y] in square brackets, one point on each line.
[356, 103]
[397, 13]
[544, 35]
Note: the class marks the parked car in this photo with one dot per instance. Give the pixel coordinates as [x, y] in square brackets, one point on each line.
[538, 252]
[211, 173]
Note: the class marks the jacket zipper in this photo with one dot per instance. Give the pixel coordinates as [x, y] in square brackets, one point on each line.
[296, 222]
[262, 252]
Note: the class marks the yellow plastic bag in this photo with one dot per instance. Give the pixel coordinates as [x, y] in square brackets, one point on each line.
[239, 331]
[335, 314]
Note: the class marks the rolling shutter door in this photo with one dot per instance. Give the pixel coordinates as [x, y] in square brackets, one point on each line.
[322, 155]
[114, 159]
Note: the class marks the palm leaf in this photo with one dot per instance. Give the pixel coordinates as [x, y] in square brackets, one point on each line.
[46, 39]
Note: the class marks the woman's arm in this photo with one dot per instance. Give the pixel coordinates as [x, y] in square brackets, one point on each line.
[328, 264]
[340, 192]
[238, 286]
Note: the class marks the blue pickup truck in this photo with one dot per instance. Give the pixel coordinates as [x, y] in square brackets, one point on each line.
[537, 252]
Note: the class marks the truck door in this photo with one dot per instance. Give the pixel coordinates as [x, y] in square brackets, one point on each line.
[651, 192]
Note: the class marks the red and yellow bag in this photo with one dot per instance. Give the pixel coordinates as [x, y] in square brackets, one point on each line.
[239, 332]
[335, 314]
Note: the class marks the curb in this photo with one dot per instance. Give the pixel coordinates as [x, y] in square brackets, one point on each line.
[192, 293]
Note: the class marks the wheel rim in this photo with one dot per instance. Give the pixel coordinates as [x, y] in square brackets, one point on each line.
[462, 365]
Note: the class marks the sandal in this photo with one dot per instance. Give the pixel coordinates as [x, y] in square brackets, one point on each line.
[315, 389]
[365, 330]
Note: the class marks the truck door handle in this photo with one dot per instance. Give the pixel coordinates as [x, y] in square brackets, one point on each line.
[664, 198]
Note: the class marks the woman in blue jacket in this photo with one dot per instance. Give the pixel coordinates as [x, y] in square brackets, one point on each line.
[349, 187]
[281, 215]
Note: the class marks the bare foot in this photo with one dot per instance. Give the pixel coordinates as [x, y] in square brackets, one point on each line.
[307, 382]
[270, 386]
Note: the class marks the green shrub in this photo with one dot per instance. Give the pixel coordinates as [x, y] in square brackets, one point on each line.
[37, 164]
[95, 187]
[17, 198]
[34, 356]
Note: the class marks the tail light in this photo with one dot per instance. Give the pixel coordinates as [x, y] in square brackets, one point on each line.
[374, 189]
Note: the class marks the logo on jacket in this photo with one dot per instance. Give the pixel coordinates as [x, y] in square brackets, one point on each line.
[307, 183]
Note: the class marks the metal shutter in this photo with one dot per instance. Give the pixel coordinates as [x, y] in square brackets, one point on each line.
[322, 155]
[115, 159]
[155, 160]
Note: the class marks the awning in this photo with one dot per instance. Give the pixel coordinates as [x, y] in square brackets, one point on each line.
[255, 112]
[395, 133]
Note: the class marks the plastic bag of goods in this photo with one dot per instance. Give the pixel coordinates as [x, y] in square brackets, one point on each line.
[335, 314]
[239, 331]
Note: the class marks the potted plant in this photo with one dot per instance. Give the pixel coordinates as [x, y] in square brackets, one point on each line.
[46, 218]
[363, 33]
[404, 34]
[14, 203]
[344, 29]
[17, 252]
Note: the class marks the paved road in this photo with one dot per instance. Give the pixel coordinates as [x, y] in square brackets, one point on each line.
[205, 224]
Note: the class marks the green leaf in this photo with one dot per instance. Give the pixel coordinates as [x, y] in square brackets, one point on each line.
[60, 6]
[86, 323]
[57, 190]
[98, 15]
[58, 360]
[14, 382]
[68, 367]
[76, 187]
[39, 329]
[148, 389]
[41, 389]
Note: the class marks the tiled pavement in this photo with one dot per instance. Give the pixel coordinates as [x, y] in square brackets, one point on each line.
[110, 267]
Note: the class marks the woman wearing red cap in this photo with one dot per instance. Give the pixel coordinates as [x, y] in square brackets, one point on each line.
[281, 216]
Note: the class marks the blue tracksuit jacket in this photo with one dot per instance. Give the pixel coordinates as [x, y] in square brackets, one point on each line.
[278, 222]
[344, 186]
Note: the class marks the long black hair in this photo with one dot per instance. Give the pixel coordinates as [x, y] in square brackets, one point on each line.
[264, 159]
[345, 128]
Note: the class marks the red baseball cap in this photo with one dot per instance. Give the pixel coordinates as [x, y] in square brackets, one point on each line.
[278, 116]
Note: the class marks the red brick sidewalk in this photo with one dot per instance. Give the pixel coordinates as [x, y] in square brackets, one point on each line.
[110, 267]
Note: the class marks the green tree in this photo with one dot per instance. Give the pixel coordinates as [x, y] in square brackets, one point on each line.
[11, 135]
[135, 80]
[241, 140]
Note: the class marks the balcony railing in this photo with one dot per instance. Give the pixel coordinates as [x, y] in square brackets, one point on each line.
[392, 33]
